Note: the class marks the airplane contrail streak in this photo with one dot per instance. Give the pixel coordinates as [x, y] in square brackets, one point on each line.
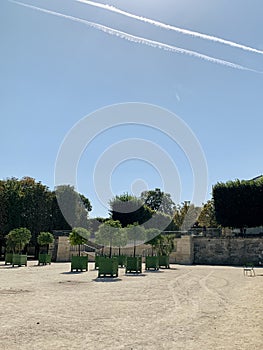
[170, 27]
[139, 40]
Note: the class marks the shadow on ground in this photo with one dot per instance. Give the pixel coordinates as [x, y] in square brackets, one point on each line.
[107, 279]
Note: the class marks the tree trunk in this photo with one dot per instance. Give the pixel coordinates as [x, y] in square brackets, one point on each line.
[134, 249]
[79, 249]
[119, 250]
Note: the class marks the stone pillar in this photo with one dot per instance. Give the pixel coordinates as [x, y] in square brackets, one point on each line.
[184, 250]
[63, 252]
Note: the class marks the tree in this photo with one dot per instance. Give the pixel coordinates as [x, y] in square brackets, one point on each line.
[74, 207]
[186, 215]
[162, 222]
[239, 204]
[121, 239]
[25, 203]
[11, 203]
[135, 233]
[152, 237]
[58, 221]
[44, 239]
[18, 238]
[158, 201]
[30, 204]
[94, 224]
[129, 209]
[165, 244]
[180, 213]
[207, 216]
[79, 236]
[35, 207]
[3, 215]
[162, 244]
[108, 234]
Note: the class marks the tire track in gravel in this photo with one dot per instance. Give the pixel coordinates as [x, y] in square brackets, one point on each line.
[192, 295]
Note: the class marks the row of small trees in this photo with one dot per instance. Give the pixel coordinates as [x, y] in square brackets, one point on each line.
[112, 234]
[18, 238]
[29, 204]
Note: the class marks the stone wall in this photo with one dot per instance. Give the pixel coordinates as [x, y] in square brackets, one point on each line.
[188, 250]
[227, 250]
[184, 251]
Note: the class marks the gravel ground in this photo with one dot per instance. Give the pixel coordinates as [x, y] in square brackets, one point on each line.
[186, 307]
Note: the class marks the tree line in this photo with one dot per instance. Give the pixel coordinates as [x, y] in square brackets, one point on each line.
[239, 203]
[32, 205]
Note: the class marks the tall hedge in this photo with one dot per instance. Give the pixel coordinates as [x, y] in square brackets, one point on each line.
[239, 204]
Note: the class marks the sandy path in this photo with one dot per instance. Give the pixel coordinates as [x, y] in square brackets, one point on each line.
[186, 307]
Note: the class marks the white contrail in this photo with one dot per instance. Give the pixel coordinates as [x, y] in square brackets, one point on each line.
[170, 27]
[139, 40]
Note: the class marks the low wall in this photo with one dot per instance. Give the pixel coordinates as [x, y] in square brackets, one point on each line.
[184, 251]
[190, 250]
[182, 254]
[227, 250]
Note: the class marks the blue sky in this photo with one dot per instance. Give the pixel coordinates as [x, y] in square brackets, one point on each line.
[55, 71]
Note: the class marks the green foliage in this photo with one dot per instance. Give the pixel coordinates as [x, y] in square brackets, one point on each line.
[18, 238]
[166, 244]
[44, 239]
[186, 215]
[109, 234]
[73, 206]
[162, 244]
[121, 238]
[86, 202]
[135, 233]
[35, 205]
[162, 222]
[129, 209]
[207, 216]
[94, 224]
[78, 236]
[152, 237]
[239, 203]
[30, 204]
[180, 213]
[158, 201]
[58, 222]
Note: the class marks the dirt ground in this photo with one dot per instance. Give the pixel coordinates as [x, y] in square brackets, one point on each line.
[186, 307]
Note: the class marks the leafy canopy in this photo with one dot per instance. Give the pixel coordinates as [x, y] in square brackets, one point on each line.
[158, 201]
[129, 209]
[239, 203]
[78, 236]
[45, 238]
[18, 238]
